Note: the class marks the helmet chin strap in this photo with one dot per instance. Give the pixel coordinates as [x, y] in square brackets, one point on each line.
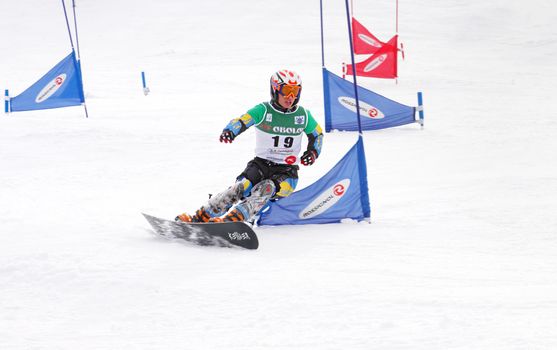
[277, 106]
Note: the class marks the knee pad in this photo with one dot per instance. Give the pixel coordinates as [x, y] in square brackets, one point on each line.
[286, 187]
[265, 188]
[260, 195]
[246, 185]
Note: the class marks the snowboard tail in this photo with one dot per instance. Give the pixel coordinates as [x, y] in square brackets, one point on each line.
[220, 234]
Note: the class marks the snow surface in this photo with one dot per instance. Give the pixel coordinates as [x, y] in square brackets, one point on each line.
[461, 252]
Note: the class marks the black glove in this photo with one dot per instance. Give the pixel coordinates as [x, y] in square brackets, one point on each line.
[227, 136]
[309, 157]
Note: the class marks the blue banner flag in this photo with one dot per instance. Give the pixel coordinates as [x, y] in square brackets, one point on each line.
[60, 87]
[376, 111]
[341, 194]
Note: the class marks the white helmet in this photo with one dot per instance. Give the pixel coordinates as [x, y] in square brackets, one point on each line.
[286, 82]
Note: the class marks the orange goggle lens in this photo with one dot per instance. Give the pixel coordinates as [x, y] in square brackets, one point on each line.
[286, 90]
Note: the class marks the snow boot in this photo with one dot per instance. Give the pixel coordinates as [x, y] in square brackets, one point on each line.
[232, 216]
[201, 215]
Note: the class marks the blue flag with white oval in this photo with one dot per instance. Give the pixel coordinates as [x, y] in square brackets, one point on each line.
[60, 87]
[376, 111]
[341, 194]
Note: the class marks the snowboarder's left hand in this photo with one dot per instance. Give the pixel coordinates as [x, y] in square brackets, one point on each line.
[309, 157]
[226, 136]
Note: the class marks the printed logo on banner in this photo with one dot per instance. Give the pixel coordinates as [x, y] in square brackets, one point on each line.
[50, 88]
[325, 200]
[376, 62]
[369, 40]
[366, 109]
[339, 189]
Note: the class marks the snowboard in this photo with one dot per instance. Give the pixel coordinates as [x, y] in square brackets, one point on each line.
[220, 234]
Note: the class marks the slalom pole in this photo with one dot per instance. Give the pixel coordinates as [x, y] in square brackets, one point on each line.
[322, 37]
[344, 70]
[420, 109]
[145, 88]
[67, 23]
[6, 101]
[80, 79]
[353, 65]
[401, 46]
[75, 28]
[78, 57]
[396, 17]
[82, 92]
[362, 166]
[324, 72]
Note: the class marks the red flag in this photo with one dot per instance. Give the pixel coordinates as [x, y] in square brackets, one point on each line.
[364, 41]
[382, 64]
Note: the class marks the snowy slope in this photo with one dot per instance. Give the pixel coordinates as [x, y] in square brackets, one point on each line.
[462, 249]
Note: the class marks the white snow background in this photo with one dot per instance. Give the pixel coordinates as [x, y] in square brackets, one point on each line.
[461, 251]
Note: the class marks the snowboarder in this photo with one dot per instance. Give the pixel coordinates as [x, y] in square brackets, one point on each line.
[273, 173]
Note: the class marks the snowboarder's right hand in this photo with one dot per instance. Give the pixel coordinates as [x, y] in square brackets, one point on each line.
[227, 136]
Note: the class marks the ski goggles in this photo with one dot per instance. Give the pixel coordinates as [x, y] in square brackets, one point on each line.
[287, 90]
